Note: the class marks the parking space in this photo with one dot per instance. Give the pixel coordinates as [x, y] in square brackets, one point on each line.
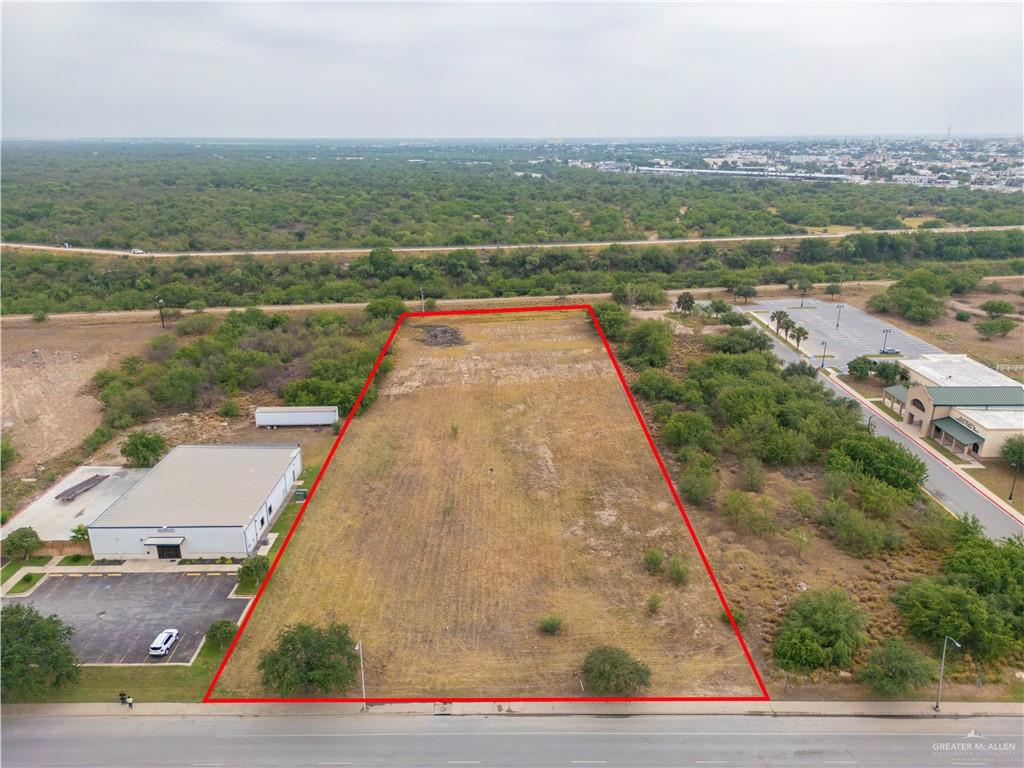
[116, 617]
[859, 333]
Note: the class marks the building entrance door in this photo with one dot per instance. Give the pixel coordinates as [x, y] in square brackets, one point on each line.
[168, 551]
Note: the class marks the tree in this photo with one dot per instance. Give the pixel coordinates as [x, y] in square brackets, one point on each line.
[996, 307]
[390, 307]
[614, 320]
[1012, 452]
[648, 344]
[221, 633]
[889, 372]
[834, 289]
[21, 542]
[690, 428]
[822, 628]
[718, 307]
[1000, 326]
[79, 534]
[611, 671]
[799, 334]
[737, 341]
[894, 668]
[860, 367]
[254, 569]
[804, 286]
[310, 659]
[879, 457]
[36, 652]
[778, 317]
[745, 292]
[685, 302]
[143, 449]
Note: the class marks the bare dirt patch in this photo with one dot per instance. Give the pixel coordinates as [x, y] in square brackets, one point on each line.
[46, 372]
[491, 484]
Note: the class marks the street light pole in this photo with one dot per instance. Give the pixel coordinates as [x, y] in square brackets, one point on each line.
[839, 314]
[942, 670]
[870, 419]
[362, 673]
[824, 347]
[1016, 471]
[885, 338]
[160, 307]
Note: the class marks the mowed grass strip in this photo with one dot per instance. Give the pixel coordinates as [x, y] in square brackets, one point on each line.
[494, 483]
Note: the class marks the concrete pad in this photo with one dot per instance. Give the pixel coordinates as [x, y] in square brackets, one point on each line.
[54, 520]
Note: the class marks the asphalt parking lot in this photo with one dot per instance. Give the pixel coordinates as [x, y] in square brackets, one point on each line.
[859, 333]
[116, 617]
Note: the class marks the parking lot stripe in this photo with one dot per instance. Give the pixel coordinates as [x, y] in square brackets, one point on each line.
[193, 574]
[96, 575]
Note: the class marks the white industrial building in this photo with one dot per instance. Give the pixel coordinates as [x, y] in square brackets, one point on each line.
[200, 501]
[297, 416]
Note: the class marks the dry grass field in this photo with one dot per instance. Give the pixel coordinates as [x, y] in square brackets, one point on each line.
[495, 482]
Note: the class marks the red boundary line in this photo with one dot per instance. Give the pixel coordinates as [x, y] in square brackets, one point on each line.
[208, 697]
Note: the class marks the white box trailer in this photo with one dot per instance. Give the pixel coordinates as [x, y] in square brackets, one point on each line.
[297, 416]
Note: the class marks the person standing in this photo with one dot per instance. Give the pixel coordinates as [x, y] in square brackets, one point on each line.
[123, 697]
[130, 702]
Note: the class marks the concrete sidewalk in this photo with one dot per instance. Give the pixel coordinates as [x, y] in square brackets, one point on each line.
[900, 709]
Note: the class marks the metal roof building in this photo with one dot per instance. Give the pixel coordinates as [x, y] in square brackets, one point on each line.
[200, 501]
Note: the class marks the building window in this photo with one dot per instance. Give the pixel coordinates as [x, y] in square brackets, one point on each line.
[918, 404]
[263, 521]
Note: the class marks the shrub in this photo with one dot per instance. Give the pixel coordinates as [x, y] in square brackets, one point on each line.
[21, 542]
[653, 559]
[613, 318]
[860, 367]
[97, 439]
[143, 449]
[254, 569]
[934, 527]
[39, 316]
[737, 341]
[389, 307]
[894, 668]
[880, 500]
[962, 316]
[738, 615]
[855, 532]
[690, 428]
[662, 412]
[678, 571]
[799, 538]
[698, 484]
[734, 319]
[310, 659]
[229, 409]
[611, 671]
[551, 625]
[822, 628]
[803, 502]
[742, 510]
[999, 326]
[653, 604]
[640, 294]
[196, 325]
[648, 344]
[8, 455]
[996, 307]
[80, 533]
[751, 475]
[221, 633]
[878, 457]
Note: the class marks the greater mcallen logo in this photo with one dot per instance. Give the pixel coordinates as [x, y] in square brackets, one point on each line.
[973, 743]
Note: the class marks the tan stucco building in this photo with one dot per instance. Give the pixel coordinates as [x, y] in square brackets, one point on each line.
[963, 404]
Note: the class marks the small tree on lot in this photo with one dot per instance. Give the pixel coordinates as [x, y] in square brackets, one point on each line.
[254, 569]
[653, 560]
[21, 543]
[999, 326]
[551, 625]
[221, 633]
[611, 671]
[860, 367]
[36, 652]
[822, 628]
[996, 307]
[80, 534]
[685, 302]
[143, 449]
[310, 659]
[390, 307]
[745, 292]
[894, 668]
[678, 571]
[613, 318]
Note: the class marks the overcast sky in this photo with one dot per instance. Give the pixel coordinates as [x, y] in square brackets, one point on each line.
[488, 70]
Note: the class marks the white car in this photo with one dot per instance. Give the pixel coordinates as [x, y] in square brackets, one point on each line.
[161, 646]
[137, 251]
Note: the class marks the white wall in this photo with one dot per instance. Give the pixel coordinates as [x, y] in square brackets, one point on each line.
[272, 506]
[296, 418]
[199, 542]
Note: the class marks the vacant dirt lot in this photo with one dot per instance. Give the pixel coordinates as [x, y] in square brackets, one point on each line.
[494, 482]
[47, 368]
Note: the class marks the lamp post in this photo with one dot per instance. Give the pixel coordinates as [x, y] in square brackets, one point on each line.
[1016, 471]
[942, 669]
[885, 338]
[839, 313]
[870, 419]
[160, 307]
[362, 673]
[824, 347]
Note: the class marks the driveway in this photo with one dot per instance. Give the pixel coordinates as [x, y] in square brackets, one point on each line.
[116, 617]
[859, 333]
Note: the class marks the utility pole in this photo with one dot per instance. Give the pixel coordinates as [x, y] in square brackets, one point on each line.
[824, 348]
[160, 307]
[942, 669]
[362, 674]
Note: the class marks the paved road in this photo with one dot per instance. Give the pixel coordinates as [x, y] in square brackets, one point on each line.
[955, 493]
[409, 741]
[500, 247]
[858, 333]
[116, 617]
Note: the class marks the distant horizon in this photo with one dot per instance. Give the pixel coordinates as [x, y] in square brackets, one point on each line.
[532, 139]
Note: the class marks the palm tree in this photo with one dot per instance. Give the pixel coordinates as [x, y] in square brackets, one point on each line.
[778, 317]
[787, 325]
[799, 334]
